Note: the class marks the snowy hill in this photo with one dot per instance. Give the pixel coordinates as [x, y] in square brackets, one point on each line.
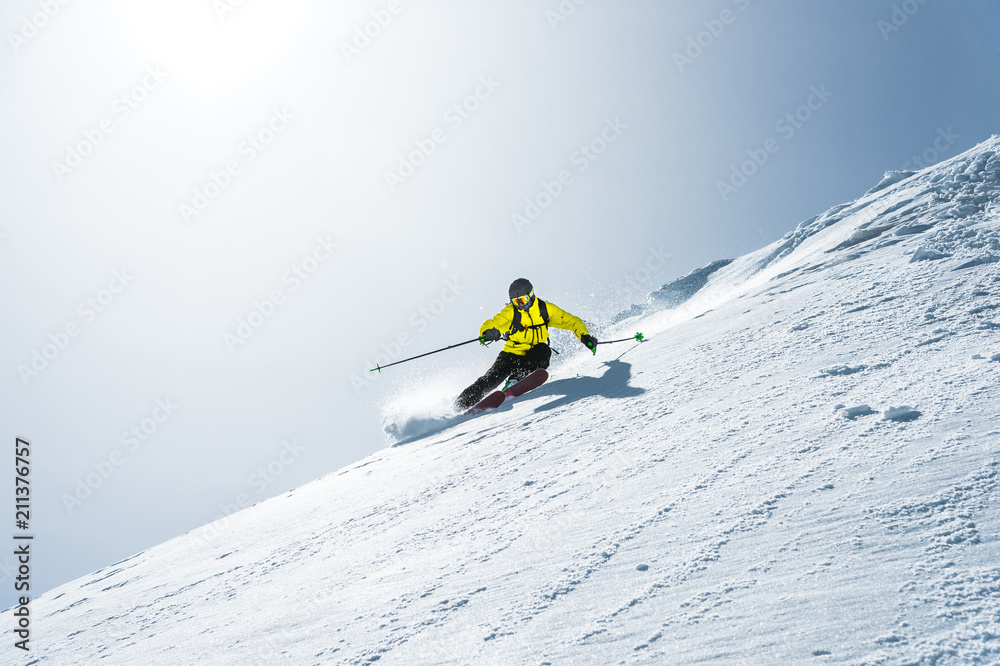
[799, 466]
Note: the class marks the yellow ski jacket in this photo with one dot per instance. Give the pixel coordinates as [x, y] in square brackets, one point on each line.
[533, 329]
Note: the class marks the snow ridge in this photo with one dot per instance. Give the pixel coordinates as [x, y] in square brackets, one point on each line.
[946, 200]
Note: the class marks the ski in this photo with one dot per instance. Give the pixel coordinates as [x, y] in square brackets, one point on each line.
[492, 401]
[532, 381]
[495, 399]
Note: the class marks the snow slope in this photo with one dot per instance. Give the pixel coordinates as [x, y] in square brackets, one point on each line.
[799, 466]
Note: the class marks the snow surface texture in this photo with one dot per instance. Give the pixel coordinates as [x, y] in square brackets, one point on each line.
[799, 466]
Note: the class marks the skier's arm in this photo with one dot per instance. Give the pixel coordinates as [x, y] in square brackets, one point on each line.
[562, 319]
[501, 321]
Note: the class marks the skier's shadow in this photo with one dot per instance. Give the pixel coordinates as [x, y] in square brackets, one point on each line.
[612, 384]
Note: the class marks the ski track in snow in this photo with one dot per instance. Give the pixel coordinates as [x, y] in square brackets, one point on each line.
[799, 466]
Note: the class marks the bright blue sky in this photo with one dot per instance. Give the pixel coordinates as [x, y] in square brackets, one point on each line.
[333, 125]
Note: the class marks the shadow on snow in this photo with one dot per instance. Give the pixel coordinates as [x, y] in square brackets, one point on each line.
[613, 384]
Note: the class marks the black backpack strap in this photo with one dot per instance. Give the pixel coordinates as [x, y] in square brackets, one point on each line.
[515, 322]
[544, 311]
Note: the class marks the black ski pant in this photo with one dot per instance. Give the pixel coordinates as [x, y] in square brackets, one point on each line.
[507, 365]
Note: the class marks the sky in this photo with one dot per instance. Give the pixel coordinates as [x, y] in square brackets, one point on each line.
[217, 215]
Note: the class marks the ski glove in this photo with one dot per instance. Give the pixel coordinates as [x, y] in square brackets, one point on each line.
[491, 335]
[590, 342]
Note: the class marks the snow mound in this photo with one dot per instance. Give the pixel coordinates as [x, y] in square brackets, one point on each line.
[860, 410]
[890, 178]
[923, 254]
[902, 414]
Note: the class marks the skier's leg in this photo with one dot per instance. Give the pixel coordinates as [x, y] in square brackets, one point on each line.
[497, 373]
[536, 358]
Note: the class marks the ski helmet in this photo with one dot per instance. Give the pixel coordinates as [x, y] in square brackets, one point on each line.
[521, 288]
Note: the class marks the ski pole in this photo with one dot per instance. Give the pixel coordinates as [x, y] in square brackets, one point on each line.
[381, 367]
[638, 337]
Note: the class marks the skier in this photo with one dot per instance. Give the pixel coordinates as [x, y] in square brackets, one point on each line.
[525, 324]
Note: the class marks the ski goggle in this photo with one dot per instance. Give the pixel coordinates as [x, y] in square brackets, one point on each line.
[522, 301]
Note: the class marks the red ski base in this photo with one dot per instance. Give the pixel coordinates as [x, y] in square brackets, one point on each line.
[492, 401]
[495, 399]
[532, 381]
